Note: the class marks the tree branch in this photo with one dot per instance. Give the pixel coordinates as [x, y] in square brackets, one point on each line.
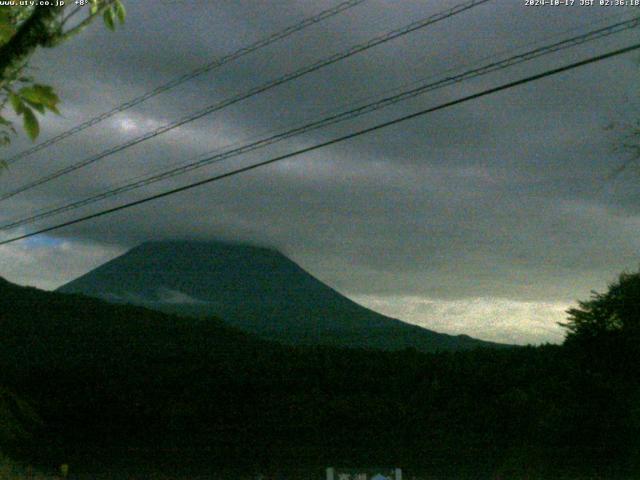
[83, 24]
[34, 32]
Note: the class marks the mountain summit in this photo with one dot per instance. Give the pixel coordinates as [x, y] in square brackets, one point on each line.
[254, 288]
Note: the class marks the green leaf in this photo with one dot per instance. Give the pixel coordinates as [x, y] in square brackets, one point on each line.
[40, 97]
[31, 125]
[30, 94]
[6, 32]
[5, 16]
[46, 95]
[38, 106]
[53, 108]
[7, 25]
[108, 19]
[16, 103]
[121, 12]
[94, 7]
[47, 92]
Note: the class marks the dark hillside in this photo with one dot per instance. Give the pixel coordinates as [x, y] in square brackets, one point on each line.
[122, 387]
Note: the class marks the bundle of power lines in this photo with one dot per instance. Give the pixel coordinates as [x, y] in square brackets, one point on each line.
[415, 89]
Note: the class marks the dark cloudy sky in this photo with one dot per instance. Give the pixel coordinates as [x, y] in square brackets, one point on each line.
[489, 218]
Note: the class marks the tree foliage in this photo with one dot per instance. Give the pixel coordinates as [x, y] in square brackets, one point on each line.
[616, 312]
[17, 418]
[24, 29]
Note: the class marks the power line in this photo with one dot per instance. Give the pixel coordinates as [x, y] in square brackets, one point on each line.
[254, 91]
[325, 14]
[336, 118]
[343, 138]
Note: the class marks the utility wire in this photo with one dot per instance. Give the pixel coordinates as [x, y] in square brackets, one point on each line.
[188, 76]
[333, 119]
[334, 141]
[254, 91]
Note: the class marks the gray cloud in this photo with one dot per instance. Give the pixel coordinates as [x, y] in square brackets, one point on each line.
[496, 206]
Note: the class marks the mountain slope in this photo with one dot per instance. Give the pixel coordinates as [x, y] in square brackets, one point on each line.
[254, 288]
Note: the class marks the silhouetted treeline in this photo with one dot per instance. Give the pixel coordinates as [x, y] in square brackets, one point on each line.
[116, 382]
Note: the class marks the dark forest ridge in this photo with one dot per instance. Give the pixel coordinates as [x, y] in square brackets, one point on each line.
[254, 288]
[177, 393]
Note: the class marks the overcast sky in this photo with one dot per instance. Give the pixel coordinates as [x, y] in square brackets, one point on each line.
[489, 218]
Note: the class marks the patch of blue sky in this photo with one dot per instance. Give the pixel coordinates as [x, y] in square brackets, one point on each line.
[43, 241]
